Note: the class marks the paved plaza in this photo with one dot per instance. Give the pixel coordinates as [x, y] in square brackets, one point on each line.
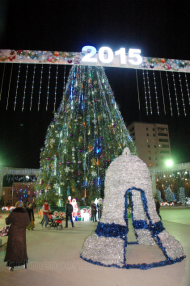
[54, 258]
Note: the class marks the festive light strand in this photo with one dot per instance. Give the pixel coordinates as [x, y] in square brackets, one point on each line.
[24, 95]
[187, 86]
[64, 79]
[9, 87]
[55, 97]
[138, 94]
[32, 91]
[162, 94]
[158, 111]
[146, 101]
[40, 88]
[2, 80]
[171, 110]
[175, 94]
[182, 97]
[16, 93]
[49, 76]
[149, 95]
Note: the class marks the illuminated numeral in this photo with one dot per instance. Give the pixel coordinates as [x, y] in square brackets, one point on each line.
[109, 55]
[135, 53]
[121, 53]
[88, 57]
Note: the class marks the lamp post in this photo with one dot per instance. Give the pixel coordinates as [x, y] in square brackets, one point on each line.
[12, 188]
[12, 192]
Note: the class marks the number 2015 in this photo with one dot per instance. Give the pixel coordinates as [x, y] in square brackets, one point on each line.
[106, 55]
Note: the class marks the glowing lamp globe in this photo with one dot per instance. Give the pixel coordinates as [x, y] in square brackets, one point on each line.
[169, 163]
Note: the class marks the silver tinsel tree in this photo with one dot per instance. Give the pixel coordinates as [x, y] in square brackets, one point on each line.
[182, 195]
[169, 195]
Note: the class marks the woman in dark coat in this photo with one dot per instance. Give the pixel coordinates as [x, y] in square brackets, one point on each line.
[16, 254]
[30, 212]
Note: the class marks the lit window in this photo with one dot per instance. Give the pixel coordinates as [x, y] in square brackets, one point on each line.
[148, 152]
[150, 165]
[147, 140]
[154, 141]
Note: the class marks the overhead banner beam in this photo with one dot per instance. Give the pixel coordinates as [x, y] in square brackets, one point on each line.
[105, 57]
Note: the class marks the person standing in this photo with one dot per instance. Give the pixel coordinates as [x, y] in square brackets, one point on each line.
[16, 253]
[46, 210]
[158, 208]
[29, 209]
[100, 208]
[93, 211]
[69, 210]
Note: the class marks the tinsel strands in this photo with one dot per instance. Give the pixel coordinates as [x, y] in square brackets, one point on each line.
[24, 95]
[187, 86]
[49, 76]
[171, 110]
[9, 87]
[149, 95]
[32, 91]
[2, 80]
[138, 91]
[162, 94]
[64, 79]
[18, 78]
[146, 102]
[40, 88]
[182, 97]
[176, 100]
[155, 89]
[55, 97]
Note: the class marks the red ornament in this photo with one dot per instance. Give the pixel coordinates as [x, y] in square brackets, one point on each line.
[61, 163]
[56, 54]
[162, 61]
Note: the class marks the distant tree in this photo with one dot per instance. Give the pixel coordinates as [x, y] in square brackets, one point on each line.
[182, 195]
[169, 195]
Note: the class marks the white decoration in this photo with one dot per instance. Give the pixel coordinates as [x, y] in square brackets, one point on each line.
[127, 172]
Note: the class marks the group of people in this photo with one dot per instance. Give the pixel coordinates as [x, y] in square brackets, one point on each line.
[22, 218]
[96, 208]
[68, 211]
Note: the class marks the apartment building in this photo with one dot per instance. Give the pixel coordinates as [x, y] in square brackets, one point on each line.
[152, 142]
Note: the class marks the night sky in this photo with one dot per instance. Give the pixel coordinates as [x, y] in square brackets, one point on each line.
[158, 28]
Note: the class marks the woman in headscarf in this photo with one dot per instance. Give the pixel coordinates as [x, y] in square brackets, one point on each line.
[16, 254]
[30, 212]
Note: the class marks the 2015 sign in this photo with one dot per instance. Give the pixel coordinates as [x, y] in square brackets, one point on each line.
[106, 55]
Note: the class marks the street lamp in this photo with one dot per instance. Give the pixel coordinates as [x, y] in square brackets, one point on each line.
[169, 163]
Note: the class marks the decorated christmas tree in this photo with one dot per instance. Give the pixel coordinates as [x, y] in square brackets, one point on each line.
[169, 195]
[182, 195]
[86, 134]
